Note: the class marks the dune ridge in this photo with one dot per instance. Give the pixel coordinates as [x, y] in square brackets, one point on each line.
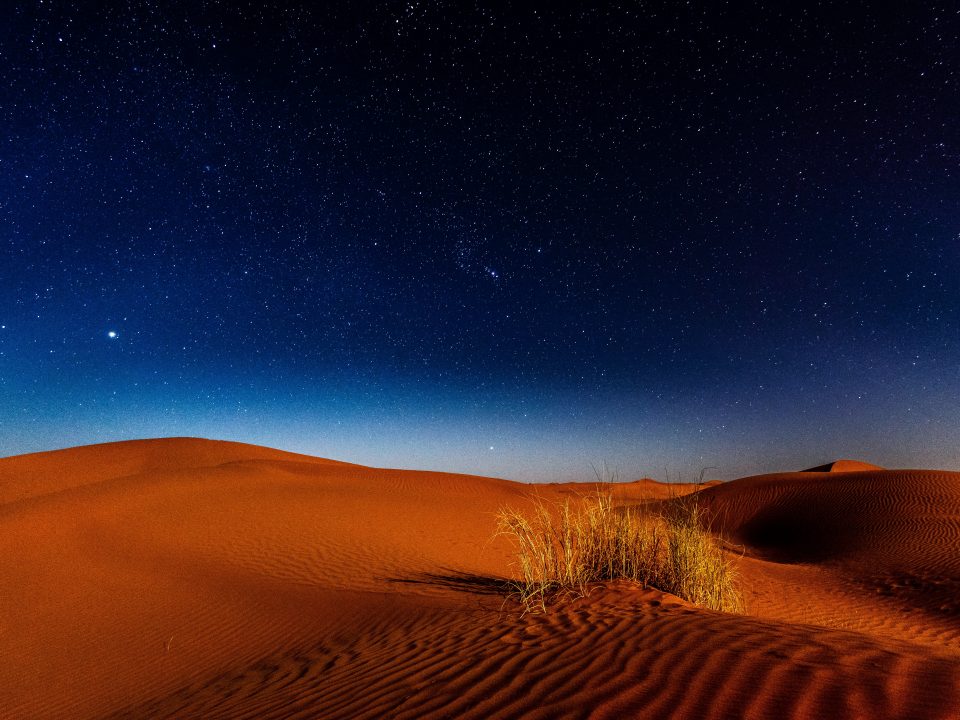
[193, 578]
[26, 476]
[844, 466]
[872, 549]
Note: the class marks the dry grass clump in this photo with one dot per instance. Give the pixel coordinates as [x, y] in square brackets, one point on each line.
[563, 548]
[696, 567]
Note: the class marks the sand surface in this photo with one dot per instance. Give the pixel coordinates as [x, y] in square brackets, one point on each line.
[187, 578]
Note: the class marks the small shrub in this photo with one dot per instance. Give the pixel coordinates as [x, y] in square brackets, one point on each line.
[563, 548]
[696, 567]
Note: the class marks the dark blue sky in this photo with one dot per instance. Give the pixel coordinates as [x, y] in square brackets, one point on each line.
[502, 239]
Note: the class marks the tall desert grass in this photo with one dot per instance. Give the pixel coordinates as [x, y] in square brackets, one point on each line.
[564, 547]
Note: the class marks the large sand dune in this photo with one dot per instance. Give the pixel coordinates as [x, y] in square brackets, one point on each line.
[187, 578]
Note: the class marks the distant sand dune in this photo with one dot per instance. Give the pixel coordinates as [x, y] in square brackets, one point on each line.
[844, 466]
[190, 578]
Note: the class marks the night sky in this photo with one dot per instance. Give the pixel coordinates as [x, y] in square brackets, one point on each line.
[502, 239]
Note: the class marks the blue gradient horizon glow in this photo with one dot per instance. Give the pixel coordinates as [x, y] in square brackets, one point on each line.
[508, 242]
[537, 435]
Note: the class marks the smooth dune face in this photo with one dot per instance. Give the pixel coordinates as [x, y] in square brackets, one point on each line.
[845, 466]
[188, 578]
[886, 518]
[874, 550]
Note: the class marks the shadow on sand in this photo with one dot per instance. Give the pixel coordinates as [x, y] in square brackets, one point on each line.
[460, 582]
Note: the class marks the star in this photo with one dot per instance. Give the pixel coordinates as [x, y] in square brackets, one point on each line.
[112, 334]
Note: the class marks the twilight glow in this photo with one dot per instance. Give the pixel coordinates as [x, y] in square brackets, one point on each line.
[503, 242]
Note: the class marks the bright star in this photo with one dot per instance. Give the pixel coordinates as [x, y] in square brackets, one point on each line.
[112, 335]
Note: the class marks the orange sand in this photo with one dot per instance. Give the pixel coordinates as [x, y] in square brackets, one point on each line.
[187, 578]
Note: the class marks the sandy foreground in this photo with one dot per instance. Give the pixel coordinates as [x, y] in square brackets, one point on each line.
[187, 578]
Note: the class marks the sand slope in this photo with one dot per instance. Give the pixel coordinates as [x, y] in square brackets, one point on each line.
[844, 466]
[874, 550]
[189, 578]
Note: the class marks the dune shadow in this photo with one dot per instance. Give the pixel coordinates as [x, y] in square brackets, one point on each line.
[460, 582]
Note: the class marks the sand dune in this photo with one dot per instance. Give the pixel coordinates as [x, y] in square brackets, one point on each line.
[189, 578]
[869, 550]
[844, 466]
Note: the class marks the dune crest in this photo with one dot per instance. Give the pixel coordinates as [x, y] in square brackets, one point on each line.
[26, 476]
[191, 578]
[844, 466]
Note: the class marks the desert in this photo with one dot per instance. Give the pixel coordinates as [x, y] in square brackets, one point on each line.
[415, 360]
[180, 577]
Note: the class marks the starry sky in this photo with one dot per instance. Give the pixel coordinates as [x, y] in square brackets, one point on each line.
[506, 239]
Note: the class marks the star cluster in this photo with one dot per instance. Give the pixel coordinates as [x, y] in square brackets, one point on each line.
[507, 239]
